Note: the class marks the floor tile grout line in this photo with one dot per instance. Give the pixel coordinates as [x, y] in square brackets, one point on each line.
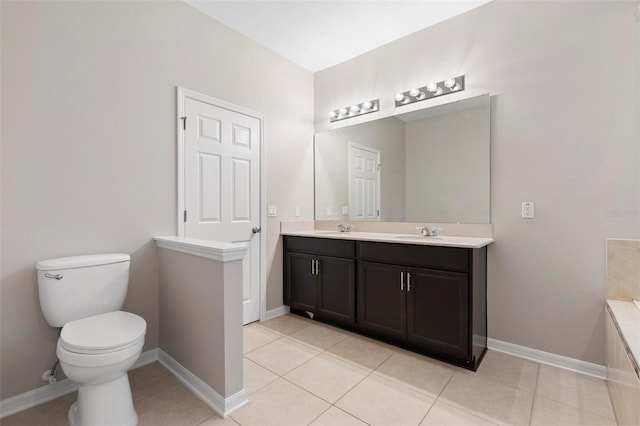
[320, 352]
[316, 417]
[346, 392]
[257, 389]
[341, 396]
[280, 336]
[351, 415]
[579, 376]
[471, 411]
[535, 394]
[158, 393]
[506, 384]
[437, 398]
[318, 348]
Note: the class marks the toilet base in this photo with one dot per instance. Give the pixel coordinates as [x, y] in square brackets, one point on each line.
[105, 404]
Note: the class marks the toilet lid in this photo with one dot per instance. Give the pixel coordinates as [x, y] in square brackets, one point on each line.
[103, 333]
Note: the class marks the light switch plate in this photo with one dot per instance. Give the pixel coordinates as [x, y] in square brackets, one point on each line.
[528, 210]
[272, 211]
[329, 211]
[345, 211]
[297, 211]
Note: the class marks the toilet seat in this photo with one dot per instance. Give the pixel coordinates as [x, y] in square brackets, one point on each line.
[103, 334]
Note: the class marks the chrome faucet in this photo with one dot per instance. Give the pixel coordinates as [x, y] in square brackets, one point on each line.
[343, 228]
[429, 231]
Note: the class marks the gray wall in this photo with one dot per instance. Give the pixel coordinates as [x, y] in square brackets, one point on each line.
[201, 317]
[564, 80]
[332, 168]
[89, 142]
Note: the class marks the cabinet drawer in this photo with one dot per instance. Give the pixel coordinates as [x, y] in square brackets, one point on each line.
[321, 246]
[450, 258]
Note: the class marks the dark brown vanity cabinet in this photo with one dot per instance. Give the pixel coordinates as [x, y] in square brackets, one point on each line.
[382, 307]
[301, 271]
[430, 299]
[320, 277]
[438, 311]
[425, 307]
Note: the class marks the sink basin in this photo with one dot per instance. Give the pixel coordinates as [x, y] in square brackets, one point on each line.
[415, 237]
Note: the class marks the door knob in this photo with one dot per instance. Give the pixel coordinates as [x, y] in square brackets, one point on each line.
[256, 229]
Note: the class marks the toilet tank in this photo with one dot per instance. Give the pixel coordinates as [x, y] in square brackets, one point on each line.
[72, 288]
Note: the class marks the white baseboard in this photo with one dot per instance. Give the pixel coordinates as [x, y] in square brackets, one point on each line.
[146, 358]
[37, 396]
[46, 393]
[276, 312]
[583, 367]
[219, 404]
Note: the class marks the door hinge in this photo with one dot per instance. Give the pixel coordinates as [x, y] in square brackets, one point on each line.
[378, 212]
[378, 167]
[184, 124]
[185, 215]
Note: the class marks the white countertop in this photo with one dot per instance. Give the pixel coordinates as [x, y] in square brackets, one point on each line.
[444, 241]
[627, 317]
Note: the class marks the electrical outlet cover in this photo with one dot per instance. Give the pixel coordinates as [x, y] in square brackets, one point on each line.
[528, 210]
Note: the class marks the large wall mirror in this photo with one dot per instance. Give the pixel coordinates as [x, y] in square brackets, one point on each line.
[430, 165]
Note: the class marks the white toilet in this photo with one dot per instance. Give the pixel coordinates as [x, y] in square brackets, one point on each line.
[98, 343]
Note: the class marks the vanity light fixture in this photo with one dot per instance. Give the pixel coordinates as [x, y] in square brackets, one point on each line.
[431, 90]
[354, 110]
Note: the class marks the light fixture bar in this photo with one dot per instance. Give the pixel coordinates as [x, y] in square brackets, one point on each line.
[354, 110]
[431, 90]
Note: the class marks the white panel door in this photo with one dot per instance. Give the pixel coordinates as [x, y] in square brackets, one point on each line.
[364, 183]
[222, 186]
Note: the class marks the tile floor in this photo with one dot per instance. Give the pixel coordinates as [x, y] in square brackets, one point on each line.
[300, 372]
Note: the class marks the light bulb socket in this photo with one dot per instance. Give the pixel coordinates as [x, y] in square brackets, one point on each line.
[354, 110]
[431, 90]
[432, 87]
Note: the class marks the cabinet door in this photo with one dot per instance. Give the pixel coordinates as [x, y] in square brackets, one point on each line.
[302, 282]
[381, 299]
[438, 311]
[336, 289]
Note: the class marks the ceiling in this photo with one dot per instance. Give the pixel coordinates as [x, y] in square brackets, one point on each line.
[319, 34]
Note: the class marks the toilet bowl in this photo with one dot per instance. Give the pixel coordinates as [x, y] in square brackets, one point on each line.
[96, 352]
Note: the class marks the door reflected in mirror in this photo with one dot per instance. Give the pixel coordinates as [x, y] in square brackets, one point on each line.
[430, 165]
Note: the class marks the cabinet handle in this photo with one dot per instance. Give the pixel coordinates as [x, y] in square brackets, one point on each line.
[401, 281]
[408, 281]
[317, 266]
[313, 266]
